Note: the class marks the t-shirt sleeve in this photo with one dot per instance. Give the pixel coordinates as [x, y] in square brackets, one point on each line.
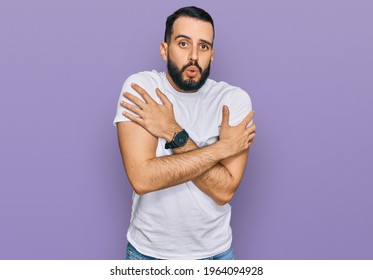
[144, 81]
[239, 106]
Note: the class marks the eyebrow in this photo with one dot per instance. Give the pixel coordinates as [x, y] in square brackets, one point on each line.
[187, 37]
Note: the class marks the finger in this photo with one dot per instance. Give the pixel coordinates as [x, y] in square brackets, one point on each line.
[163, 97]
[132, 108]
[225, 118]
[137, 120]
[251, 142]
[143, 93]
[251, 137]
[134, 99]
[252, 128]
[250, 134]
[248, 118]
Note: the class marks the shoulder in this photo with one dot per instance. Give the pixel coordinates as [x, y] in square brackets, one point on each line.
[145, 79]
[146, 75]
[227, 90]
[238, 101]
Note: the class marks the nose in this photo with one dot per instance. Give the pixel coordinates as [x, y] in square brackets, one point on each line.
[193, 56]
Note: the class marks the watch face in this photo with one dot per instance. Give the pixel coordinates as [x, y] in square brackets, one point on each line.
[181, 139]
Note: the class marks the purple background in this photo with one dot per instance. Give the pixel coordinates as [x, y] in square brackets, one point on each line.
[308, 66]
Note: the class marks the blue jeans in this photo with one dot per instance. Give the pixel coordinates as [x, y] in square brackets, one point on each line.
[133, 254]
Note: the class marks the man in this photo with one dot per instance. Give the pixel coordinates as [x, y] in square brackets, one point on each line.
[184, 141]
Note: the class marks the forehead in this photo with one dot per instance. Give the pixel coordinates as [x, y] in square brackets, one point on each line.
[193, 28]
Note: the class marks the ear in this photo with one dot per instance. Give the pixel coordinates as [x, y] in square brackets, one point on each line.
[163, 50]
[212, 56]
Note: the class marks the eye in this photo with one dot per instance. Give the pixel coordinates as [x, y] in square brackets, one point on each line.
[183, 44]
[204, 47]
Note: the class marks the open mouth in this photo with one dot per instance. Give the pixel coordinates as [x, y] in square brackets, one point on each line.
[192, 71]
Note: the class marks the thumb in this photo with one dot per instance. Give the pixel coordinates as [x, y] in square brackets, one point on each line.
[225, 118]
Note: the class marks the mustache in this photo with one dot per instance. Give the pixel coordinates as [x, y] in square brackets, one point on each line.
[191, 63]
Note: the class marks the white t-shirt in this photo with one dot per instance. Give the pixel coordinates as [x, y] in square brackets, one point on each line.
[181, 222]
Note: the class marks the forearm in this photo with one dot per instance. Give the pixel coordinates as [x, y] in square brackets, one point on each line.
[217, 182]
[217, 172]
[167, 171]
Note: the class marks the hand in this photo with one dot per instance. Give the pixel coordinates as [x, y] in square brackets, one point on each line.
[236, 139]
[157, 119]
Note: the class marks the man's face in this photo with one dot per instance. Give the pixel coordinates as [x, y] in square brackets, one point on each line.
[189, 53]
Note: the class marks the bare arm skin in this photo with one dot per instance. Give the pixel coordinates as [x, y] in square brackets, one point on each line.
[216, 169]
[222, 180]
[148, 173]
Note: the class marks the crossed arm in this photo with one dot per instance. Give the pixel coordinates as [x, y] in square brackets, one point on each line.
[216, 169]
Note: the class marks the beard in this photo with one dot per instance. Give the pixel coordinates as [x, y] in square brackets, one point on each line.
[187, 84]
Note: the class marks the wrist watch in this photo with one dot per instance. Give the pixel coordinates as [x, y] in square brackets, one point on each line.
[179, 140]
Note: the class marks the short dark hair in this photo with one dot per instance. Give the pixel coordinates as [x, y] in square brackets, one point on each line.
[192, 12]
